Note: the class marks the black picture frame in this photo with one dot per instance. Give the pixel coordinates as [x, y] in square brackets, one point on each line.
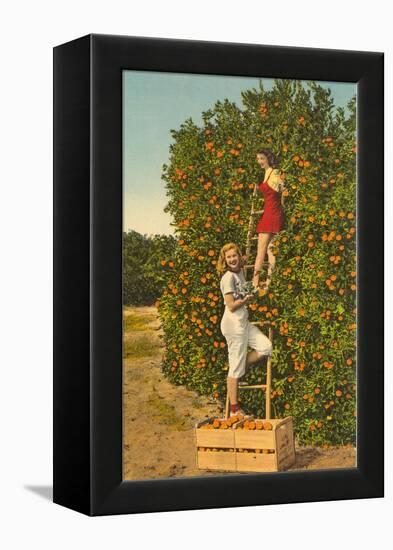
[88, 274]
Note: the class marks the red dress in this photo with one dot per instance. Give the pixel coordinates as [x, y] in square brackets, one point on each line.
[273, 217]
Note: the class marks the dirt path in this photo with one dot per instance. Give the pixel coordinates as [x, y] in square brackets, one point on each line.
[159, 417]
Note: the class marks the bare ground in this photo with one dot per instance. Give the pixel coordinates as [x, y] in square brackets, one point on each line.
[159, 418]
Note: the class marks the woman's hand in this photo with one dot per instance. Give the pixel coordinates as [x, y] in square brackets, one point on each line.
[233, 304]
[248, 298]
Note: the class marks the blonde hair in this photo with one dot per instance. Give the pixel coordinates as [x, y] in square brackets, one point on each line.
[221, 262]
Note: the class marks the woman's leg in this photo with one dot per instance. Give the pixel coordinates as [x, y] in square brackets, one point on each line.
[259, 343]
[237, 355]
[232, 388]
[252, 357]
[270, 255]
[272, 261]
[263, 242]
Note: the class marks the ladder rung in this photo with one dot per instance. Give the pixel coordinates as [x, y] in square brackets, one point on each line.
[260, 323]
[254, 387]
[256, 212]
[264, 264]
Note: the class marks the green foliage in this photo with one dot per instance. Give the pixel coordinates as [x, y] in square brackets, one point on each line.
[143, 279]
[311, 300]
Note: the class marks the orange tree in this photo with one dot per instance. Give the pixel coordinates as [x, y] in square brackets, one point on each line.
[311, 300]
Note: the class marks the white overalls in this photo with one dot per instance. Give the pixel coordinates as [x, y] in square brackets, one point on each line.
[238, 331]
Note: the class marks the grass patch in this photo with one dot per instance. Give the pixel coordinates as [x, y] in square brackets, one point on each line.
[163, 413]
[133, 322]
[142, 346]
[197, 403]
[135, 375]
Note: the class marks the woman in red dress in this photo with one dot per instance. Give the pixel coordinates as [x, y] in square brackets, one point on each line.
[273, 217]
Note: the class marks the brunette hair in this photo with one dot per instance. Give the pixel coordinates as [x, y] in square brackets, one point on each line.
[221, 262]
[270, 157]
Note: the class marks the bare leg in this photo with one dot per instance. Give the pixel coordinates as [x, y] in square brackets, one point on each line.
[272, 262]
[263, 242]
[271, 256]
[232, 386]
[253, 356]
[233, 383]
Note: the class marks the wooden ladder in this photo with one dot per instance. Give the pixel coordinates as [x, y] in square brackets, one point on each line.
[264, 387]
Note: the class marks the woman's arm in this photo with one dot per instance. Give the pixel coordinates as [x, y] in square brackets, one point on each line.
[277, 181]
[233, 304]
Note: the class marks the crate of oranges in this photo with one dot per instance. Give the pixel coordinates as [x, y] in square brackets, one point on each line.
[215, 443]
[264, 445]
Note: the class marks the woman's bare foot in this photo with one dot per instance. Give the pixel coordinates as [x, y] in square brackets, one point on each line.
[265, 284]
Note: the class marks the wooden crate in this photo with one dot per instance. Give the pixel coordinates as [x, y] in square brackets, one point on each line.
[217, 459]
[218, 448]
[241, 450]
[265, 450]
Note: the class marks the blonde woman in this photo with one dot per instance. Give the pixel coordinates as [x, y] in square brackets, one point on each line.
[239, 333]
[273, 217]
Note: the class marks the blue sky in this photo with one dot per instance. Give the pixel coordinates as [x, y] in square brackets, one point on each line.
[153, 104]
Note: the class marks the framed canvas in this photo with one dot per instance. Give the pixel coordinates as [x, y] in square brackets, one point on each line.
[158, 146]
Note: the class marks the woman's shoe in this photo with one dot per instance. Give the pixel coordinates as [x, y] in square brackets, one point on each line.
[239, 413]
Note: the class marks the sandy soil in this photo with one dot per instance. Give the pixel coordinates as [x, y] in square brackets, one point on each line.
[159, 417]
